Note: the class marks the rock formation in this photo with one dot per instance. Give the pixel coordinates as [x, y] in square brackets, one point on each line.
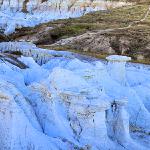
[68, 103]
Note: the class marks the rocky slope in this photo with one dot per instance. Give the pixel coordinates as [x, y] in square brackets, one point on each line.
[27, 13]
[117, 31]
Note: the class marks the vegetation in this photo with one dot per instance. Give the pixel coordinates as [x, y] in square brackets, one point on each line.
[131, 22]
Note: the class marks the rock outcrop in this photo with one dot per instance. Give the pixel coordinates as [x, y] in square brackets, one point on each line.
[67, 103]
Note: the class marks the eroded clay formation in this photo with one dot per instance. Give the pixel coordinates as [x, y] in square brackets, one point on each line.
[62, 102]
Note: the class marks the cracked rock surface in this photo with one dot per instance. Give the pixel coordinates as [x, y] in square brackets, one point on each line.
[60, 100]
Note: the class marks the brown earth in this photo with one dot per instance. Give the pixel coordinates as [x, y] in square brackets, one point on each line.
[124, 31]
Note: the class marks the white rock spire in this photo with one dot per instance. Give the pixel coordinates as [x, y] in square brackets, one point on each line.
[116, 67]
